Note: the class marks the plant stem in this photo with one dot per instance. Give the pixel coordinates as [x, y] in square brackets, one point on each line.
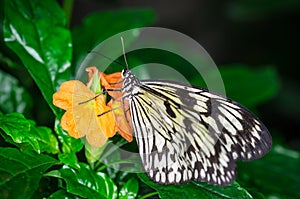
[68, 8]
[149, 195]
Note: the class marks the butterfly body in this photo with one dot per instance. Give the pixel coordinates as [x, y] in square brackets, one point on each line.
[189, 133]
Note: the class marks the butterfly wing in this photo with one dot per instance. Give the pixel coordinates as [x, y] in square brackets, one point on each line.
[188, 133]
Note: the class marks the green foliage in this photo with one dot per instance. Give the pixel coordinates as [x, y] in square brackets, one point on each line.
[21, 172]
[197, 190]
[94, 28]
[69, 145]
[250, 87]
[84, 182]
[62, 194]
[280, 168]
[37, 33]
[258, 85]
[130, 189]
[25, 134]
[14, 98]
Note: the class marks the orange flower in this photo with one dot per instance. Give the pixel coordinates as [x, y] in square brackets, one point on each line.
[123, 119]
[121, 113]
[112, 81]
[84, 103]
[81, 116]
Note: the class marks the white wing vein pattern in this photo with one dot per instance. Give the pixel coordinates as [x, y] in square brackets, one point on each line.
[188, 133]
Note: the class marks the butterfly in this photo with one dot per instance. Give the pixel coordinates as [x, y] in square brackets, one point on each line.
[189, 133]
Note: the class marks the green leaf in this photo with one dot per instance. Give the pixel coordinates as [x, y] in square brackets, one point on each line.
[95, 28]
[112, 161]
[62, 194]
[84, 182]
[130, 189]
[279, 168]
[13, 97]
[111, 158]
[112, 147]
[255, 194]
[70, 146]
[69, 159]
[93, 153]
[21, 172]
[46, 139]
[17, 128]
[250, 87]
[35, 31]
[19, 131]
[196, 190]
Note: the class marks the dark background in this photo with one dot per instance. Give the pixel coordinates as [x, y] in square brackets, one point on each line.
[254, 33]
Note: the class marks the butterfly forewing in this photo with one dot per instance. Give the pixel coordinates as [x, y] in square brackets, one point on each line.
[188, 133]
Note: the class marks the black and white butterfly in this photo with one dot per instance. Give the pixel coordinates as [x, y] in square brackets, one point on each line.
[188, 133]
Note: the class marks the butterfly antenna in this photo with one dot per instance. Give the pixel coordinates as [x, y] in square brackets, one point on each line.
[123, 48]
[110, 59]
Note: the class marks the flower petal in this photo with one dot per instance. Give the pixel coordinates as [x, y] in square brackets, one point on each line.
[106, 121]
[123, 122]
[63, 98]
[68, 124]
[82, 109]
[112, 81]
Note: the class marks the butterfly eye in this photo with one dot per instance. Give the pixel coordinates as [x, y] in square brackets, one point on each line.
[123, 73]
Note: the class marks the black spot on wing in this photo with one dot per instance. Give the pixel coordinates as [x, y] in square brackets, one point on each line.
[169, 109]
